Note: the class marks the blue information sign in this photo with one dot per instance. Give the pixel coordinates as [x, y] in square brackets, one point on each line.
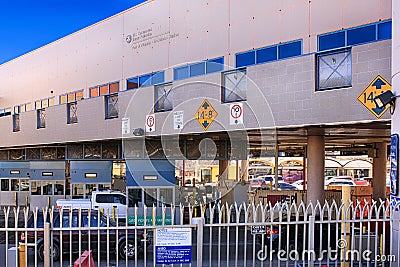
[173, 245]
[394, 162]
[173, 254]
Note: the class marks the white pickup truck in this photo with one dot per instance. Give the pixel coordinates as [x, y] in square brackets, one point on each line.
[108, 201]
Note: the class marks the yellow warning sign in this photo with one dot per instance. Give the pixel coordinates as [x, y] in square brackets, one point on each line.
[378, 86]
[205, 115]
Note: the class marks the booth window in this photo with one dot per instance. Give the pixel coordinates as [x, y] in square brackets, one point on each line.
[16, 123]
[334, 70]
[150, 197]
[72, 113]
[41, 118]
[163, 101]
[234, 86]
[36, 188]
[112, 106]
[5, 185]
[134, 197]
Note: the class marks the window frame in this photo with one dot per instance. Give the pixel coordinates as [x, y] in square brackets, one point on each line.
[16, 122]
[72, 119]
[156, 98]
[41, 120]
[317, 66]
[107, 106]
[223, 87]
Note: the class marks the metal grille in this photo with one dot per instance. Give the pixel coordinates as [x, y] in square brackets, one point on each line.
[163, 102]
[334, 70]
[234, 86]
[284, 234]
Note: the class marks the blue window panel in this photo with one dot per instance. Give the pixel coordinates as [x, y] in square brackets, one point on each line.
[361, 35]
[331, 41]
[245, 59]
[145, 80]
[132, 83]
[267, 54]
[215, 65]
[289, 49]
[385, 30]
[197, 69]
[181, 73]
[158, 77]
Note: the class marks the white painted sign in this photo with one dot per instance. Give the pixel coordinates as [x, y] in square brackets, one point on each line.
[173, 245]
[178, 120]
[150, 123]
[126, 125]
[236, 114]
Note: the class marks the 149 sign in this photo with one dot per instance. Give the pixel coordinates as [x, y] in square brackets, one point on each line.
[205, 115]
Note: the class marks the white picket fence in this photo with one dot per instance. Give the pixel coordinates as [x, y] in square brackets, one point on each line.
[283, 234]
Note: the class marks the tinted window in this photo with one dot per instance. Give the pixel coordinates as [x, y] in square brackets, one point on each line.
[266, 54]
[361, 35]
[181, 73]
[290, 50]
[385, 30]
[215, 65]
[332, 40]
[158, 77]
[197, 69]
[245, 59]
[103, 198]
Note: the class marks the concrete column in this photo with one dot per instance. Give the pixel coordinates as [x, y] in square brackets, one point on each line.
[223, 170]
[315, 168]
[244, 165]
[379, 172]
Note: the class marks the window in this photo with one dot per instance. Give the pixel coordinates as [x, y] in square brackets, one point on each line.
[355, 36]
[5, 184]
[22, 108]
[181, 73]
[5, 112]
[334, 70]
[16, 124]
[72, 113]
[163, 101]
[245, 59]
[269, 53]
[112, 106]
[41, 118]
[234, 86]
[71, 97]
[291, 49]
[104, 89]
[199, 68]
[145, 80]
[44, 103]
[361, 35]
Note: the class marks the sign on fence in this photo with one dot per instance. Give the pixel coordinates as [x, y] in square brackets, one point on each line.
[173, 245]
[149, 220]
[258, 229]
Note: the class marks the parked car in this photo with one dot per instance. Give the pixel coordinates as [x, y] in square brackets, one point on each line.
[257, 183]
[68, 237]
[286, 186]
[271, 177]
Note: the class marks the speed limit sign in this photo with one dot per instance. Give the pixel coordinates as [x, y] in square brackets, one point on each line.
[236, 114]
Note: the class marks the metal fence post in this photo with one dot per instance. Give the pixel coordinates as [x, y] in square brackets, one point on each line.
[46, 243]
[311, 245]
[200, 230]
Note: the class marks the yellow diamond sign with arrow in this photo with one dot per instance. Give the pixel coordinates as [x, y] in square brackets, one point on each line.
[205, 114]
[378, 86]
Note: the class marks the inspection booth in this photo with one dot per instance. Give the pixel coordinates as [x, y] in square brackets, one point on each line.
[47, 183]
[14, 183]
[150, 183]
[89, 176]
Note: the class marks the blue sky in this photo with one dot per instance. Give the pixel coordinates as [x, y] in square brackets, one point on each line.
[26, 25]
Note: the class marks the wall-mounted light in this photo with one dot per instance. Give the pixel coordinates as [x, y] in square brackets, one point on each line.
[384, 99]
[14, 172]
[47, 173]
[90, 175]
[138, 132]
